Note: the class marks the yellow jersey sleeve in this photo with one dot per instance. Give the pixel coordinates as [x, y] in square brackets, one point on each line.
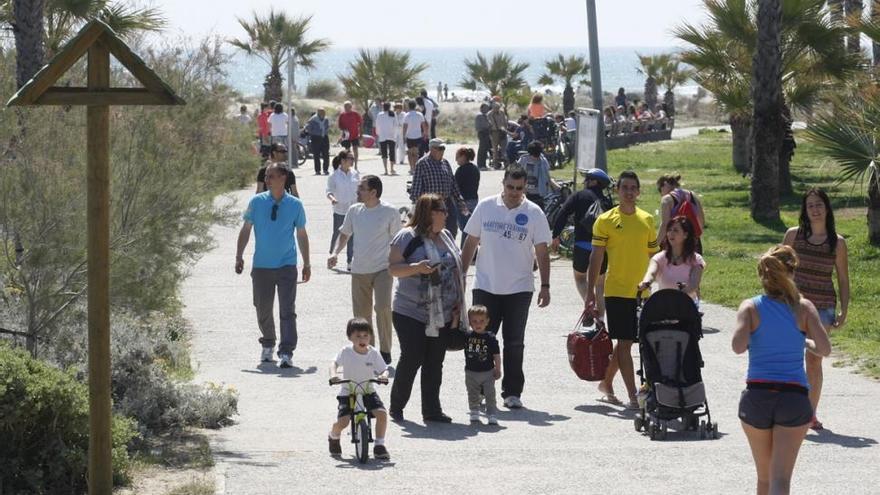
[652, 239]
[601, 230]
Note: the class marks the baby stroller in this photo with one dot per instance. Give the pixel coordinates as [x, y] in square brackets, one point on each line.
[670, 328]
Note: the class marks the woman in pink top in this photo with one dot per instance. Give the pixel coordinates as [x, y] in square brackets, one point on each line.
[679, 263]
[536, 109]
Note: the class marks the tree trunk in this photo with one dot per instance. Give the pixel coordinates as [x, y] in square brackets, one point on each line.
[272, 87]
[28, 29]
[835, 8]
[874, 209]
[767, 131]
[669, 101]
[786, 152]
[875, 17]
[568, 100]
[650, 93]
[853, 9]
[740, 130]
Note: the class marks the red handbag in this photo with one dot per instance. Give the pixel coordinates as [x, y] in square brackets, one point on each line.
[589, 348]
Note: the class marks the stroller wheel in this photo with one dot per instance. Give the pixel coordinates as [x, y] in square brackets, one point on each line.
[702, 430]
[652, 431]
[638, 423]
[715, 431]
[664, 429]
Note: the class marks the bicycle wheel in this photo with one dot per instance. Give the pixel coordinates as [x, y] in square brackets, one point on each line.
[303, 153]
[363, 440]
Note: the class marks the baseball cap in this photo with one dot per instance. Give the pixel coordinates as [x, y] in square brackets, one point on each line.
[436, 143]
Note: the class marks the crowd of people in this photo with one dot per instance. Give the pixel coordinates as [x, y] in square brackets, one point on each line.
[618, 251]
[628, 117]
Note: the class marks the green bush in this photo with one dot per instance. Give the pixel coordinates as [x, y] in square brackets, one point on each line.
[324, 89]
[44, 428]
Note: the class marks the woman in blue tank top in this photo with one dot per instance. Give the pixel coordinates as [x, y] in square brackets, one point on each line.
[775, 409]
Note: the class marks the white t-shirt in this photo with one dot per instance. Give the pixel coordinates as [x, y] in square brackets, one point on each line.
[507, 244]
[359, 367]
[278, 123]
[385, 126]
[570, 124]
[373, 229]
[429, 110]
[344, 188]
[413, 121]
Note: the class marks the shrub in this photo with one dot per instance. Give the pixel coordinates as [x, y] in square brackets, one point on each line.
[44, 428]
[323, 89]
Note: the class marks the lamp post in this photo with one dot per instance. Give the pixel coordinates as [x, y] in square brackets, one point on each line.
[292, 134]
[596, 83]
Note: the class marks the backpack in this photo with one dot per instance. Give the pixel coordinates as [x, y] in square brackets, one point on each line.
[600, 206]
[688, 209]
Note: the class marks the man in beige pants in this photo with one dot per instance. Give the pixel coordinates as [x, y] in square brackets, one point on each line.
[373, 223]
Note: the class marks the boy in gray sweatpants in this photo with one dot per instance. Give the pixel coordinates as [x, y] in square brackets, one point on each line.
[482, 358]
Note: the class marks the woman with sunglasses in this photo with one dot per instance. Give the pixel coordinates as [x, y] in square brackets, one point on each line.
[428, 303]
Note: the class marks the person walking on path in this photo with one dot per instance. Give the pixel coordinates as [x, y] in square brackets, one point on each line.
[627, 234]
[350, 123]
[275, 217]
[428, 304]
[385, 129]
[277, 154]
[400, 141]
[775, 409]
[432, 110]
[415, 131]
[342, 192]
[433, 174]
[318, 128]
[821, 252]
[278, 123]
[679, 266]
[373, 224]
[481, 125]
[579, 204]
[244, 118]
[537, 168]
[482, 365]
[293, 156]
[467, 178]
[445, 92]
[511, 232]
[264, 132]
[497, 133]
[673, 196]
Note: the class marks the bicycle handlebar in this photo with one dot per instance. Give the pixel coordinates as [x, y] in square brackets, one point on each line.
[372, 380]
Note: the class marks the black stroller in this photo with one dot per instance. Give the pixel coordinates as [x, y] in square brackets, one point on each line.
[670, 328]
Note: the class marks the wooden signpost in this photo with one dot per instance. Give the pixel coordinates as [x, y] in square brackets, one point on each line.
[97, 41]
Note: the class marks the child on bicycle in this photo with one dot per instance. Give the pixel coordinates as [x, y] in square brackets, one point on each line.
[482, 358]
[360, 363]
[679, 266]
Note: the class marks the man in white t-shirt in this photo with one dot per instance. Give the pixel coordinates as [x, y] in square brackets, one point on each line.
[415, 131]
[373, 224]
[511, 232]
[278, 124]
[384, 128]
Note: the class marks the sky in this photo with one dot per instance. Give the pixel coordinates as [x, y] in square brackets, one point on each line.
[459, 23]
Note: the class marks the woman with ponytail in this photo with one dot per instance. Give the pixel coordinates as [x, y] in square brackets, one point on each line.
[775, 409]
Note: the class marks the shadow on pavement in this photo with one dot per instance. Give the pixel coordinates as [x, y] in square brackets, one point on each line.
[439, 431]
[241, 459]
[605, 410]
[531, 416]
[710, 330]
[827, 436]
[370, 465]
[273, 369]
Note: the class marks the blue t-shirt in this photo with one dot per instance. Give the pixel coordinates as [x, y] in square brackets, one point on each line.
[275, 241]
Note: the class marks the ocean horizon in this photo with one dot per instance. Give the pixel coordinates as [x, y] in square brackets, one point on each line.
[446, 65]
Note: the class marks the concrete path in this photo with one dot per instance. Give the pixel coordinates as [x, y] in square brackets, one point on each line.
[563, 442]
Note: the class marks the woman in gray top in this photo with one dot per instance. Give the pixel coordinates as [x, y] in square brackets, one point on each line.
[428, 304]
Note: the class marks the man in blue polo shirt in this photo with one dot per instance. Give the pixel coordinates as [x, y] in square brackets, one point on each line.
[274, 215]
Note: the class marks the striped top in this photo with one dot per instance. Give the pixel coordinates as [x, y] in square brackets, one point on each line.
[813, 274]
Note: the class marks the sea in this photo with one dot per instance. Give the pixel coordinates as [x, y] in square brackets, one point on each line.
[446, 65]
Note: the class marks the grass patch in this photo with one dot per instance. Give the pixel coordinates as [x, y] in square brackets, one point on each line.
[185, 451]
[733, 241]
[194, 488]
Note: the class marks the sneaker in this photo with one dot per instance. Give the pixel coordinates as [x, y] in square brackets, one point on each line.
[266, 355]
[474, 417]
[493, 420]
[335, 447]
[512, 402]
[286, 361]
[396, 414]
[348, 267]
[380, 452]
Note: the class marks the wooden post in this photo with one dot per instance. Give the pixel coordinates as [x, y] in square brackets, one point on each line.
[98, 179]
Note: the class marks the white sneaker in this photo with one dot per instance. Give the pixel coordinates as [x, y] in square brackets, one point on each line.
[286, 361]
[266, 355]
[493, 420]
[512, 402]
[474, 417]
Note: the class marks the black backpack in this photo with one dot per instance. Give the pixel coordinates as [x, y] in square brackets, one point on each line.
[600, 206]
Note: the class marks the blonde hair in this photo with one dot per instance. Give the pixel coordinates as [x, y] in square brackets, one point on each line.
[776, 268]
[478, 309]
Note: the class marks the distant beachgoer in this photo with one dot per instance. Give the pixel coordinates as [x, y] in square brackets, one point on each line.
[278, 123]
[374, 111]
[277, 154]
[349, 123]
[775, 328]
[672, 197]
[446, 92]
[481, 125]
[536, 109]
[342, 193]
[263, 130]
[385, 129]
[432, 111]
[318, 128]
[497, 133]
[620, 99]
[415, 131]
[821, 251]
[400, 141]
[439, 90]
[467, 177]
[537, 169]
[243, 116]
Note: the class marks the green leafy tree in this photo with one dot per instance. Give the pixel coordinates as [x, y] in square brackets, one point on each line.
[384, 75]
[500, 75]
[567, 69]
[273, 37]
[652, 67]
[672, 75]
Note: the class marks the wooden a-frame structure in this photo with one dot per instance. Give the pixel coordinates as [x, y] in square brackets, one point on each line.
[97, 41]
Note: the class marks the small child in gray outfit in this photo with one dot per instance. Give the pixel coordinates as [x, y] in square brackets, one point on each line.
[482, 358]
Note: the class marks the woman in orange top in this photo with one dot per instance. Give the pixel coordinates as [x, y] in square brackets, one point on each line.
[536, 109]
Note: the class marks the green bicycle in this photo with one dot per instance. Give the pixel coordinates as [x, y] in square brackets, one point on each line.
[361, 427]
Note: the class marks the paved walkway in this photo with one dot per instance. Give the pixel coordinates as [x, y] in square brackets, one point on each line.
[563, 442]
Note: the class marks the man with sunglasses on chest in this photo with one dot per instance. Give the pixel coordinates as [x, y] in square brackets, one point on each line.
[275, 217]
[511, 232]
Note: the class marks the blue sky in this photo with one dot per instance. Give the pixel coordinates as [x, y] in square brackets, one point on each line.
[450, 23]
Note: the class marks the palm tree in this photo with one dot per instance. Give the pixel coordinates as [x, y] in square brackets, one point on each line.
[566, 69]
[27, 16]
[500, 76]
[272, 38]
[651, 68]
[384, 75]
[672, 76]
[875, 19]
[65, 17]
[852, 9]
[768, 128]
